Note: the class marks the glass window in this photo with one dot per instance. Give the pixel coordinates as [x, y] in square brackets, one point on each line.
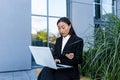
[53, 30]
[39, 31]
[106, 6]
[39, 7]
[103, 11]
[57, 8]
[106, 10]
[44, 26]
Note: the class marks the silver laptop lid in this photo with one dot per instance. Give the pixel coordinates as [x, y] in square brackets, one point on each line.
[43, 56]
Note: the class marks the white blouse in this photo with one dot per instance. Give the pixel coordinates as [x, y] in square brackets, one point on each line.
[64, 41]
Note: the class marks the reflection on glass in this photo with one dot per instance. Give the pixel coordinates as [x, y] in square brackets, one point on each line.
[39, 31]
[106, 9]
[39, 7]
[40, 20]
[57, 8]
[53, 30]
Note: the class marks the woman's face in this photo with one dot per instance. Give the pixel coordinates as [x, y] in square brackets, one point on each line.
[63, 28]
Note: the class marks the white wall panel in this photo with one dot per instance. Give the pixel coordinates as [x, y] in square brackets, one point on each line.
[15, 35]
[82, 18]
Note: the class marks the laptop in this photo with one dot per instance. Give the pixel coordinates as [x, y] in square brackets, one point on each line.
[43, 56]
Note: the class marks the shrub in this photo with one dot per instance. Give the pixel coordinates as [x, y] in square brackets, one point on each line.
[102, 61]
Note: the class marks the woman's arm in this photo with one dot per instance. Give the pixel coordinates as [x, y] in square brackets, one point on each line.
[75, 57]
[78, 53]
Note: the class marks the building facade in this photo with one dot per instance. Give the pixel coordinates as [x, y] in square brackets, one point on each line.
[21, 19]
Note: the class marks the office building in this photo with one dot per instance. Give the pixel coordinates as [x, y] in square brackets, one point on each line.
[19, 20]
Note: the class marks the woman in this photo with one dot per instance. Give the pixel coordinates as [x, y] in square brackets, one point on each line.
[68, 50]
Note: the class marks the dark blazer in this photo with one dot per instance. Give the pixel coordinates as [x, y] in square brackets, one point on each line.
[74, 45]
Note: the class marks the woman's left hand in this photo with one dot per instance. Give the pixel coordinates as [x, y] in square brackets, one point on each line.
[70, 55]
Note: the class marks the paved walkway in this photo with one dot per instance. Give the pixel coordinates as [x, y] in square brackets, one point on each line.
[19, 75]
[24, 75]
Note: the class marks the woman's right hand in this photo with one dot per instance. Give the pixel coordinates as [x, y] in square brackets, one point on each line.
[57, 61]
[70, 55]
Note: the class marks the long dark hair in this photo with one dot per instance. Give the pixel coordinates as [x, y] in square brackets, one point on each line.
[67, 21]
